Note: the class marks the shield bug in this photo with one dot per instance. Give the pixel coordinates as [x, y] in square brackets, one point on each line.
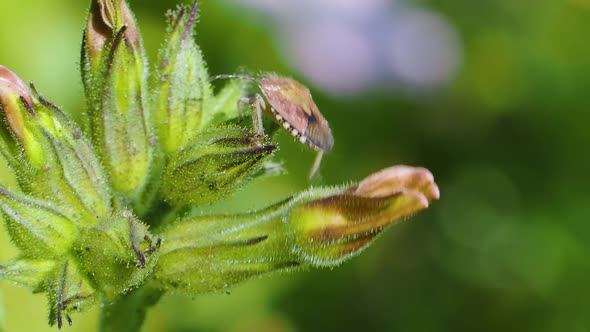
[290, 104]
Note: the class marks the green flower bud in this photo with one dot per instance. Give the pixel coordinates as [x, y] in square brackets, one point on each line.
[38, 228]
[117, 254]
[182, 83]
[318, 228]
[218, 162]
[114, 73]
[27, 272]
[74, 163]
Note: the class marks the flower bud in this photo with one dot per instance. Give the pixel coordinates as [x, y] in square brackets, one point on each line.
[182, 83]
[38, 228]
[114, 73]
[117, 254]
[318, 228]
[16, 105]
[395, 179]
[74, 165]
[218, 162]
[105, 19]
[331, 229]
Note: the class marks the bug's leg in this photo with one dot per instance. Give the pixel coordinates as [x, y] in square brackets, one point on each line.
[257, 105]
[316, 164]
[244, 101]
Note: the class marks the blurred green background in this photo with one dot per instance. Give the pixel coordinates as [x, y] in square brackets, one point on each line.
[491, 96]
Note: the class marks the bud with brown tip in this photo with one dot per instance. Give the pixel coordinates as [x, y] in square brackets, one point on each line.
[114, 72]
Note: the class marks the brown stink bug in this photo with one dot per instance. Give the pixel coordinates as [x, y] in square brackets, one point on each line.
[290, 104]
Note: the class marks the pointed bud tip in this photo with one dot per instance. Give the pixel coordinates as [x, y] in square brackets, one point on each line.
[105, 19]
[396, 179]
[11, 84]
[15, 100]
[217, 163]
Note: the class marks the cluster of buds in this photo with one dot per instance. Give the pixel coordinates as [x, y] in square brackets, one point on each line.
[86, 197]
[76, 243]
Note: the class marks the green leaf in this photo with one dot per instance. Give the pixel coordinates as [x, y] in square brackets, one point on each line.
[27, 272]
[38, 228]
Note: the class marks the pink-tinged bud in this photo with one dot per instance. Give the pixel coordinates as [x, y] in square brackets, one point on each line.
[13, 96]
[395, 179]
[333, 228]
[105, 19]
[9, 80]
[114, 72]
[57, 164]
[16, 105]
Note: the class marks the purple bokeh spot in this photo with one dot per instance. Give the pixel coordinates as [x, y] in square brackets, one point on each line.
[424, 50]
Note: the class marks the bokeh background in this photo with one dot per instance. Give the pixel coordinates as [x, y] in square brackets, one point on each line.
[491, 95]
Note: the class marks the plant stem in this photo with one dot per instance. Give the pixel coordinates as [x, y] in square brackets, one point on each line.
[127, 313]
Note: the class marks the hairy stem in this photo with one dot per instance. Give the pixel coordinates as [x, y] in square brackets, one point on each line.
[128, 312]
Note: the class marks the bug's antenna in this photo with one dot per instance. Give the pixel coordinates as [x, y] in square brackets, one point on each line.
[232, 76]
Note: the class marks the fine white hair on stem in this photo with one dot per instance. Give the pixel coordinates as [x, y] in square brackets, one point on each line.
[233, 76]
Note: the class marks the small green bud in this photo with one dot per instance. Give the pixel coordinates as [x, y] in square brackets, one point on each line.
[318, 228]
[182, 83]
[117, 254]
[27, 272]
[115, 79]
[38, 228]
[218, 162]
